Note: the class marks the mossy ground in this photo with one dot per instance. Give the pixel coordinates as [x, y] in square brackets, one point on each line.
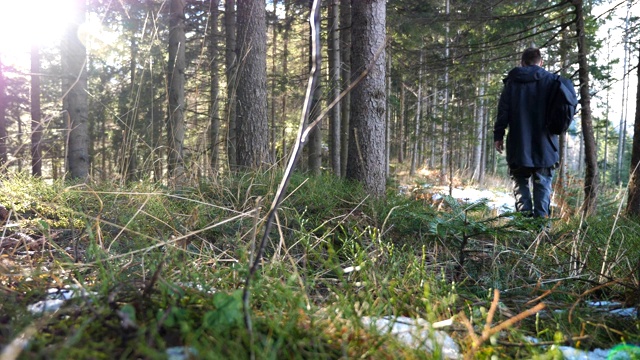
[165, 269]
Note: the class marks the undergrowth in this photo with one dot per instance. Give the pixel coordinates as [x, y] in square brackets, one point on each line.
[161, 271]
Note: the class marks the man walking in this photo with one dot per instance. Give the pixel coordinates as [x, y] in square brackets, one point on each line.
[532, 152]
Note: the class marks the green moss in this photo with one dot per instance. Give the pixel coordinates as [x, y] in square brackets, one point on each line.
[167, 269]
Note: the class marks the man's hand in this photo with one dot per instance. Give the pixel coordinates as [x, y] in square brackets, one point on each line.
[499, 146]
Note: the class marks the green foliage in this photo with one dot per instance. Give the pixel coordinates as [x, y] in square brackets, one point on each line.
[35, 202]
[227, 313]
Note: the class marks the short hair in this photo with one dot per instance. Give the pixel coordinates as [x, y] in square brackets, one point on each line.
[531, 56]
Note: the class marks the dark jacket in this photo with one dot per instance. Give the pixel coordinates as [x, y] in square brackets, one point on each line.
[522, 109]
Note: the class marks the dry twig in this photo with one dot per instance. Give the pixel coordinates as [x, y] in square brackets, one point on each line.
[489, 331]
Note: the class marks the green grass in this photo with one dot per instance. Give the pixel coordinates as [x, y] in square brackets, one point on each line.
[167, 269]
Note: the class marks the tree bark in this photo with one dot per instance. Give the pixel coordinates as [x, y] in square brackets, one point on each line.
[478, 149]
[231, 72]
[416, 135]
[273, 131]
[128, 104]
[591, 163]
[334, 85]
[36, 113]
[345, 57]
[315, 136]
[444, 161]
[74, 88]
[3, 120]
[177, 63]
[633, 202]
[285, 72]
[366, 144]
[387, 126]
[214, 89]
[564, 49]
[251, 106]
[622, 129]
[158, 118]
[401, 122]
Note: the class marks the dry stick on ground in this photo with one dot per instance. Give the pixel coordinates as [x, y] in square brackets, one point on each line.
[587, 292]
[297, 150]
[545, 293]
[13, 350]
[156, 275]
[489, 331]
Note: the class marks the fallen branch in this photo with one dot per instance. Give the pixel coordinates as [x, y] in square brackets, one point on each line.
[489, 331]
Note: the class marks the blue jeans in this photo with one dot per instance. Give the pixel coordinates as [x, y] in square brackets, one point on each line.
[541, 177]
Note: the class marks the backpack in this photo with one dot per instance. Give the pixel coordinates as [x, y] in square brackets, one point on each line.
[561, 106]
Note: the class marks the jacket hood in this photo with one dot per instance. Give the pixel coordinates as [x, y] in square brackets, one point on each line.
[525, 74]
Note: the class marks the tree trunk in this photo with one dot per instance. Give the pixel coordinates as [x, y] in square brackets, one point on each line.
[445, 112]
[251, 106]
[334, 85]
[158, 118]
[485, 122]
[232, 72]
[366, 145]
[214, 89]
[74, 88]
[36, 113]
[3, 120]
[285, 72]
[479, 132]
[434, 129]
[622, 129]
[19, 153]
[605, 162]
[387, 127]
[315, 136]
[416, 135]
[401, 122]
[177, 63]
[633, 202]
[591, 163]
[565, 48]
[129, 141]
[273, 131]
[345, 57]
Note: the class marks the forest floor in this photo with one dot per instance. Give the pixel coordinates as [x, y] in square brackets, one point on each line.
[104, 271]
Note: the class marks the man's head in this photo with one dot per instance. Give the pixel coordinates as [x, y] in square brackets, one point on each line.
[531, 56]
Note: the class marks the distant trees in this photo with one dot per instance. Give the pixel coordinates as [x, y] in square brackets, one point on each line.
[181, 88]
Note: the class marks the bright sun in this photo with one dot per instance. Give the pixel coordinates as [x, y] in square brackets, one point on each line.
[27, 22]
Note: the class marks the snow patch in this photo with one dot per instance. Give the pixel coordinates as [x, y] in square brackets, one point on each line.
[496, 200]
[56, 297]
[620, 352]
[416, 333]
